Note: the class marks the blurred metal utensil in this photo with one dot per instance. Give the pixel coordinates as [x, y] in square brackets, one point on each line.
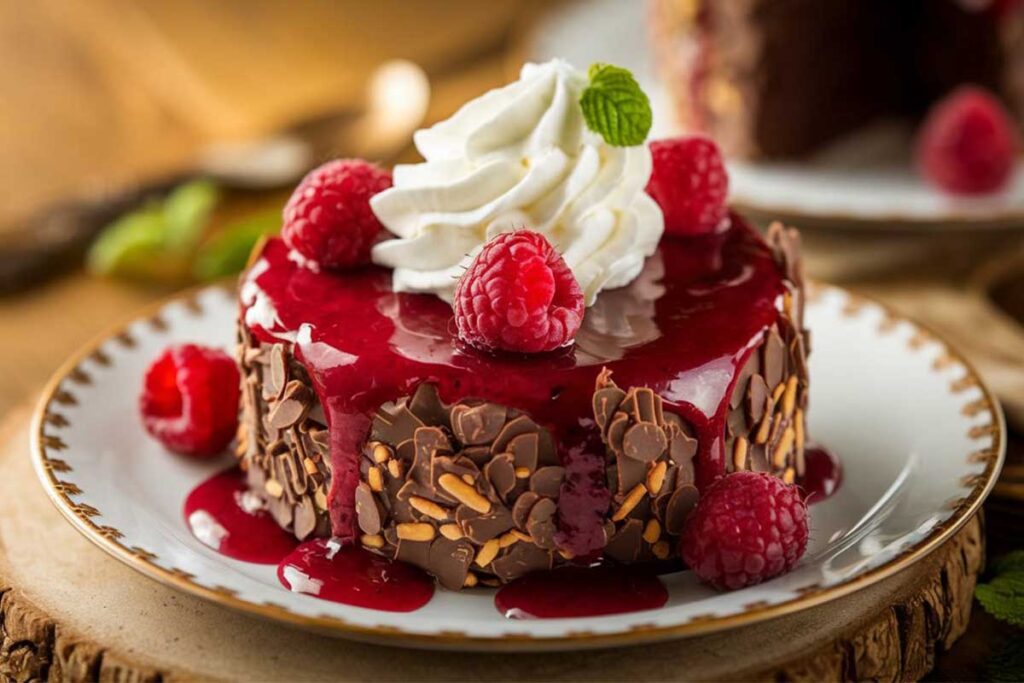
[397, 96]
[395, 104]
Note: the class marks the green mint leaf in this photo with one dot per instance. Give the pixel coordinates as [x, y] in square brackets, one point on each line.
[1003, 596]
[615, 107]
[132, 247]
[1008, 663]
[227, 252]
[187, 211]
[1010, 562]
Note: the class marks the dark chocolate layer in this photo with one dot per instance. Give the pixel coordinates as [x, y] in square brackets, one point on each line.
[780, 78]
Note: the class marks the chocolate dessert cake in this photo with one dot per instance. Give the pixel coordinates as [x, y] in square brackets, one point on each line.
[479, 468]
[366, 415]
[770, 78]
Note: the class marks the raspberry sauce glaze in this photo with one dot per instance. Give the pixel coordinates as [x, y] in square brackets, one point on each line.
[683, 328]
[224, 515]
[581, 592]
[354, 576]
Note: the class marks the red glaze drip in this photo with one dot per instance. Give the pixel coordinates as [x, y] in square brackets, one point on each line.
[353, 576]
[823, 474]
[224, 516]
[581, 592]
[684, 334]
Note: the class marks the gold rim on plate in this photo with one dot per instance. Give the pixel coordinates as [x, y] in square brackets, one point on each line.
[51, 467]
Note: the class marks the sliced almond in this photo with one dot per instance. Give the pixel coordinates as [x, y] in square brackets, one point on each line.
[522, 536]
[381, 453]
[766, 423]
[522, 472]
[789, 475]
[782, 448]
[660, 549]
[470, 581]
[415, 531]
[631, 500]
[395, 468]
[789, 398]
[487, 553]
[507, 539]
[274, 488]
[451, 531]
[656, 477]
[652, 532]
[798, 424]
[375, 479]
[739, 454]
[428, 508]
[309, 466]
[372, 540]
[464, 493]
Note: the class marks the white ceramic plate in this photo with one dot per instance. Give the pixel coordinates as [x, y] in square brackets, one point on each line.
[921, 439]
[866, 179]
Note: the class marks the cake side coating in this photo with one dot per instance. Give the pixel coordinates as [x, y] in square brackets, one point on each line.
[476, 491]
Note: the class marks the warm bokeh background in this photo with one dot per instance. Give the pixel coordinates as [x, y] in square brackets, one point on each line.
[99, 95]
[105, 94]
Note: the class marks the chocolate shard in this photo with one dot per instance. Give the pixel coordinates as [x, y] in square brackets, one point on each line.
[644, 441]
[477, 424]
[305, 519]
[500, 471]
[521, 508]
[624, 546]
[481, 528]
[521, 559]
[426, 405]
[547, 481]
[525, 450]
[428, 442]
[541, 524]
[450, 561]
[394, 425]
[683, 499]
[773, 359]
[606, 402]
[368, 512]
[414, 552]
[520, 424]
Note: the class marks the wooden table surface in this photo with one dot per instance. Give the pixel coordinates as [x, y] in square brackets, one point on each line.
[109, 91]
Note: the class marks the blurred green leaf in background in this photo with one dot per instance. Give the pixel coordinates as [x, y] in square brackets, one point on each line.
[169, 240]
[227, 252]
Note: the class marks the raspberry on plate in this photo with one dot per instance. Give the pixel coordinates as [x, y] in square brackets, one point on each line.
[328, 218]
[690, 184]
[968, 143]
[747, 527]
[189, 400]
[518, 295]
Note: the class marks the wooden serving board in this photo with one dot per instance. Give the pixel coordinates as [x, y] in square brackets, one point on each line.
[70, 612]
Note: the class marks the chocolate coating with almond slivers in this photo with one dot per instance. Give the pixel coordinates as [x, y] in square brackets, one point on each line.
[685, 336]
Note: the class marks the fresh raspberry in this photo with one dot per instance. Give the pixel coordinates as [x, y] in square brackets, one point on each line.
[189, 400]
[328, 218]
[690, 184]
[968, 143]
[747, 527]
[518, 295]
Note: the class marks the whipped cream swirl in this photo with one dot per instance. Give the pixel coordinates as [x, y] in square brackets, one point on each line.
[520, 156]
